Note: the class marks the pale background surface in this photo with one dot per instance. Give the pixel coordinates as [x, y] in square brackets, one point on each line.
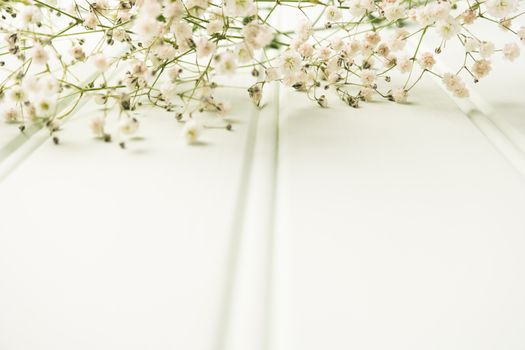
[304, 229]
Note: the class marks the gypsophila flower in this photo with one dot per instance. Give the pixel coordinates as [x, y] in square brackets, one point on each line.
[511, 51]
[486, 49]
[501, 8]
[333, 14]
[180, 55]
[97, 125]
[205, 48]
[129, 126]
[400, 95]
[191, 131]
[11, 114]
[521, 34]
[39, 55]
[100, 62]
[426, 60]
[481, 68]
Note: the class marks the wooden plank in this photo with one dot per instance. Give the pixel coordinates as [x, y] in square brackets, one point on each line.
[111, 249]
[399, 227]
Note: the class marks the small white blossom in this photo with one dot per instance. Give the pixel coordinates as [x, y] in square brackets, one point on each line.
[394, 11]
[333, 14]
[359, 7]
[91, 21]
[39, 55]
[205, 48]
[426, 60]
[448, 28]
[227, 64]
[129, 126]
[11, 114]
[257, 36]
[400, 95]
[511, 51]
[404, 64]
[368, 77]
[239, 8]
[471, 44]
[191, 131]
[486, 49]
[501, 8]
[291, 62]
[100, 62]
[97, 125]
[481, 68]
[31, 15]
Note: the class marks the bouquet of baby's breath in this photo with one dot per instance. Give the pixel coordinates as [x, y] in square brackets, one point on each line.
[176, 54]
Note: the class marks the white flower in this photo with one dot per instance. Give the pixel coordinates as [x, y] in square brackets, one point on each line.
[486, 49]
[257, 36]
[481, 68]
[511, 51]
[521, 34]
[306, 49]
[460, 91]
[471, 44]
[91, 21]
[239, 8]
[138, 68]
[100, 62]
[394, 11]
[78, 53]
[97, 125]
[205, 48]
[368, 77]
[337, 44]
[290, 62]
[448, 28]
[215, 26]
[120, 34]
[183, 33]
[404, 64]
[426, 60]
[39, 55]
[454, 84]
[501, 8]
[174, 10]
[168, 90]
[425, 15]
[272, 74]
[174, 73]
[451, 80]
[129, 126]
[17, 94]
[11, 114]
[31, 15]
[244, 53]
[191, 131]
[227, 64]
[304, 30]
[373, 38]
[367, 93]
[45, 106]
[333, 14]
[400, 95]
[147, 27]
[359, 7]
[165, 52]
[324, 53]
[352, 48]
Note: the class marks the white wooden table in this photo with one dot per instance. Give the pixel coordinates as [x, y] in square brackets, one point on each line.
[303, 229]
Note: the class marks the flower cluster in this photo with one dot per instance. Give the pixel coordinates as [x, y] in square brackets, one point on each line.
[129, 55]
